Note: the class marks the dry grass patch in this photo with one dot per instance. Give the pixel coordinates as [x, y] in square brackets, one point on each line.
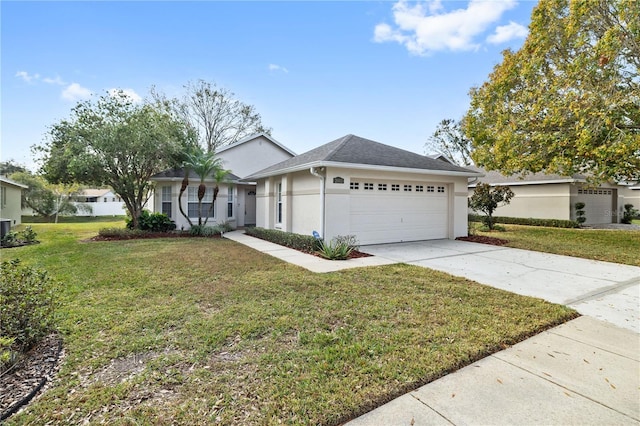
[233, 336]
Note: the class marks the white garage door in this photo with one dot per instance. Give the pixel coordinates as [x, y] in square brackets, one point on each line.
[386, 212]
[598, 204]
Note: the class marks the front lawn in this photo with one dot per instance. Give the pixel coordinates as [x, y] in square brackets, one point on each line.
[199, 331]
[616, 246]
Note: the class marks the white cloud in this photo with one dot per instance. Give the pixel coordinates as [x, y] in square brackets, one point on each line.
[505, 33]
[57, 80]
[424, 28]
[130, 93]
[75, 92]
[274, 67]
[27, 77]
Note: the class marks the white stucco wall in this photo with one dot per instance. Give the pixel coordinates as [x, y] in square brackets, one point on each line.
[252, 156]
[302, 211]
[549, 201]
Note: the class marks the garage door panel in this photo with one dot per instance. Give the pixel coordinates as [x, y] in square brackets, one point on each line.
[398, 216]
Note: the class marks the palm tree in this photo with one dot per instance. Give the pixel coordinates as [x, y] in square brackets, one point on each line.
[204, 164]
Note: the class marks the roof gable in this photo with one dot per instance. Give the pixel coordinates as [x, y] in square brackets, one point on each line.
[252, 137]
[351, 149]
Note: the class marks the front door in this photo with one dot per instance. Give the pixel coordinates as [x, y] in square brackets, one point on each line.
[249, 206]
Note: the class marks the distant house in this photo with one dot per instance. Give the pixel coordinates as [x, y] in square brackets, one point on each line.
[236, 200]
[102, 202]
[356, 186]
[11, 200]
[549, 196]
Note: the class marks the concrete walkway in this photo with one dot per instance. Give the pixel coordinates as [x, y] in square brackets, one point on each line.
[307, 261]
[584, 372]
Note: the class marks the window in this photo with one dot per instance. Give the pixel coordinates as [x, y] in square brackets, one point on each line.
[368, 187]
[105, 199]
[395, 187]
[430, 188]
[166, 200]
[192, 202]
[113, 199]
[230, 202]
[407, 187]
[441, 189]
[354, 185]
[3, 197]
[382, 187]
[279, 203]
[419, 188]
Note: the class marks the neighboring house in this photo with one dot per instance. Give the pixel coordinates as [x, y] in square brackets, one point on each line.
[11, 200]
[548, 196]
[236, 201]
[101, 202]
[355, 186]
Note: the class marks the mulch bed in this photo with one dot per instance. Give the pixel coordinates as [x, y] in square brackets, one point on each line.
[484, 240]
[29, 375]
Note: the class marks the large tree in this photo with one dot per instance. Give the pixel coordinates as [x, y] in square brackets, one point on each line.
[113, 141]
[450, 140]
[569, 100]
[214, 113]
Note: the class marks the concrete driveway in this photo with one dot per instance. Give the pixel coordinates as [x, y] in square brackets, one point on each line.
[602, 290]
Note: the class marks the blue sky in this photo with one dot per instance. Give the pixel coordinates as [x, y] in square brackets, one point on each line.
[315, 71]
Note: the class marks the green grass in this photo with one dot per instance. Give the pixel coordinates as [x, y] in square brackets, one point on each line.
[609, 245]
[74, 219]
[198, 331]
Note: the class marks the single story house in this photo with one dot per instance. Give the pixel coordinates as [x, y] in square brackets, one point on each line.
[11, 200]
[549, 196]
[355, 186]
[236, 200]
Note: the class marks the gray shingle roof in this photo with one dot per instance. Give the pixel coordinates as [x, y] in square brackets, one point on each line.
[179, 173]
[493, 177]
[353, 149]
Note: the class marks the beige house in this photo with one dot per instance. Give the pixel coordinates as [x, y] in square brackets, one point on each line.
[11, 200]
[355, 186]
[548, 196]
[236, 200]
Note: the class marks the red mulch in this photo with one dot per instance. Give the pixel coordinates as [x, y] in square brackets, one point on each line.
[483, 240]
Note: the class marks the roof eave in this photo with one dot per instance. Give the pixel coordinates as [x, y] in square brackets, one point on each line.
[530, 182]
[359, 166]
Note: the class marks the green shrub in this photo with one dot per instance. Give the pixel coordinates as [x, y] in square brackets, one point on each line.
[336, 249]
[27, 304]
[7, 355]
[288, 239]
[553, 223]
[29, 236]
[206, 231]
[580, 218]
[629, 214]
[153, 222]
[10, 239]
[120, 233]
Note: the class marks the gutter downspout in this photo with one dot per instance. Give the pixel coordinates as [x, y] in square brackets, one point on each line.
[315, 172]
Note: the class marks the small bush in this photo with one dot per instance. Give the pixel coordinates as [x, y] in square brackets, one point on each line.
[349, 240]
[206, 231]
[288, 239]
[629, 214]
[553, 223]
[335, 250]
[29, 236]
[7, 355]
[27, 304]
[10, 239]
[120, 233]
[153, 222]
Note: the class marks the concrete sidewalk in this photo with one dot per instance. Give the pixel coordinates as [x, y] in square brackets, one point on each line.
[304, 260]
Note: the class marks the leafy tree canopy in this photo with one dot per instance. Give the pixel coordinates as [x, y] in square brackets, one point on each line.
[214, 113]
[112, 141]
[10, 166]
[569, 100]
[450, 140]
